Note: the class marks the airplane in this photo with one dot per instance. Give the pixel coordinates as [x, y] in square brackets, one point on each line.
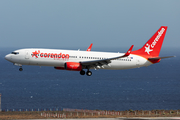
[76, 60]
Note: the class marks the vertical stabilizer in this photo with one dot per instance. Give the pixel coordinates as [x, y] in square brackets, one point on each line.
[153, 45]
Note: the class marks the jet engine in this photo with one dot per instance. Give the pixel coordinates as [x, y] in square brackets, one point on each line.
[73, 66]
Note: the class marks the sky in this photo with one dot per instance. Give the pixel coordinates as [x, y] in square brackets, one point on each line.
[78, 23]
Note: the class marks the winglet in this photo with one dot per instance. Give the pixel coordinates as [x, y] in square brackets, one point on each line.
[129, 51]
[89, 48]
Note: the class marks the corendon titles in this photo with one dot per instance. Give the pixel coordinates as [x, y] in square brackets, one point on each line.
[157, 37]
[50, 55]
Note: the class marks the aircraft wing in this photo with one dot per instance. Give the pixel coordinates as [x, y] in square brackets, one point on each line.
[94, 63]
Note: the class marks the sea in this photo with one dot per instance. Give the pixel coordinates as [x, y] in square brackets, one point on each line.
[147, 88]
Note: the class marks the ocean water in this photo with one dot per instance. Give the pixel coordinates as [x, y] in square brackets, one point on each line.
[146, 88]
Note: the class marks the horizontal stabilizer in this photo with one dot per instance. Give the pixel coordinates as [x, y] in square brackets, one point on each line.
[157, 58]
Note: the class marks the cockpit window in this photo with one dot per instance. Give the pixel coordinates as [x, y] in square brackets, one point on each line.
[15, 53]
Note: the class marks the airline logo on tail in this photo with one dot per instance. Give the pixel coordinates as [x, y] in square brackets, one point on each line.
[149, 48]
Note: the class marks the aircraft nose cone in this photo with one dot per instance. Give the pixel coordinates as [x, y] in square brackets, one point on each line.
[7, 57]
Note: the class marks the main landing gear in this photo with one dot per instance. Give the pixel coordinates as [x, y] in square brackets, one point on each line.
[88, 73]
[82, 72]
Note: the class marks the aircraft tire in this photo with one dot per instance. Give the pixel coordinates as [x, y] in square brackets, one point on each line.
[20, 69]
[88, 73]
[82, 72]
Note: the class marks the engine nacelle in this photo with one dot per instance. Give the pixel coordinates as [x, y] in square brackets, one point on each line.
[74, 66]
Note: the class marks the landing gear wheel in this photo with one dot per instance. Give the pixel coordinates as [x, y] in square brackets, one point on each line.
[20, 69]
[88, 73]
[82, 72]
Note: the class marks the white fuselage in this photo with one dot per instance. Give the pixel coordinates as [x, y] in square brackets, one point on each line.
[58, 57]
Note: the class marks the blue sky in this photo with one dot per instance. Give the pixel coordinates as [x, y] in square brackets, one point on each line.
[78, 23]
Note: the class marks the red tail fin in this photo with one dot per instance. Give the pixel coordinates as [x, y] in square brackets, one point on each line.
[153, 46]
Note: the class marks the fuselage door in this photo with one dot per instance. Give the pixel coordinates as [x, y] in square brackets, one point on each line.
[137, 62]
[26, 55]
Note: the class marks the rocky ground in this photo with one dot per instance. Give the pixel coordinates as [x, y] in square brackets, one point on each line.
[89, 114]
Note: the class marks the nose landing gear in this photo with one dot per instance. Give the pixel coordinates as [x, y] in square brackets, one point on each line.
[20, 69]
[17, 64]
